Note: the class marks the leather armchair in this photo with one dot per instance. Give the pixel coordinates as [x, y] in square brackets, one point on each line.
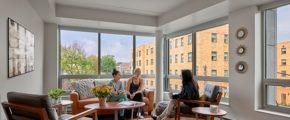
[78, 105]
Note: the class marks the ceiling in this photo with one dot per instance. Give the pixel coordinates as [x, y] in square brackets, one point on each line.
[137, 15]
[143, 7]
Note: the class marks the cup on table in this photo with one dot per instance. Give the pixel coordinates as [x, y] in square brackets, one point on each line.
[214, 108]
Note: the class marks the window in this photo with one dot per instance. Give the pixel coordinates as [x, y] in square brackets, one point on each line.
[226, 56]
[283, 73]
[152, 50]
[176, 72]
[189, 56]
[181, 42]
[151, 72]
[146, 62]
[213, 72]
[147, 51]
[170, 59]
[151, 83]
[139, 53]
[176, 87]
[283, 50]
[152, 62]
[176, 58]
[214, 37]
[226, 38]
[170, 44]
[226, 73]
[176, 43]
[189, 41]
[181, 58]
[276, 81]
[213, 56]
[283, 62]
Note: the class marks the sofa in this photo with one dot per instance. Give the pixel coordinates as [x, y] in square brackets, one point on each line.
[78, 104]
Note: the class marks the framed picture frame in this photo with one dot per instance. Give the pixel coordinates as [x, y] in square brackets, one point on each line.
[241, 50]
[20, 49]
[241, 33]
[241, 67]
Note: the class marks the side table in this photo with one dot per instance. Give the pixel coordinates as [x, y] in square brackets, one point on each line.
[206, 111]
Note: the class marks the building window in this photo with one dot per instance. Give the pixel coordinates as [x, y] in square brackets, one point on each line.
[170, 59]
[226, 73]
[181, 42]
[176, 72]
[176, 43]
[189, 57]
[283, 73]
[176, 87]
[213, 56]
[139, 62]
[170, 44]
[147, 51]
[151, 72]
[189, 39]
[213, 73]
[139, 53]
[151, 83]
[283, 50]
[146, 62]
[181, 58]
[213, 37]
[283, 99]
[152, 62]
[226, 38]
[176, 58]
[283, 62]
[152, 50]
[226, 56]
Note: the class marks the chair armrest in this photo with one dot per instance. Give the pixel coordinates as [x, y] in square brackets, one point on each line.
[83, 114]
[150, 95]
[74, 97]
[200, 103]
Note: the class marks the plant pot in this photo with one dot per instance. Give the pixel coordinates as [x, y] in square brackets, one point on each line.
[102, 101]
[55, 101]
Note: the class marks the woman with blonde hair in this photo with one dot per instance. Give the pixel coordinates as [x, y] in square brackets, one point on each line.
[134, 89]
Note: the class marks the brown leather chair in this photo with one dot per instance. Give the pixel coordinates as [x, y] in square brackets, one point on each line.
[213, 94]
[78, 105]
[22, 106]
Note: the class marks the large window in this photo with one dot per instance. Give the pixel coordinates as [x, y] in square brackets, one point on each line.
[276, 39]
[93, 55]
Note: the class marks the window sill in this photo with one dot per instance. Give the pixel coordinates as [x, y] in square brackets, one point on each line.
[273, 113]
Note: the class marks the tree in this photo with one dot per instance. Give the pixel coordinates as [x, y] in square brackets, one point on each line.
[108, 63]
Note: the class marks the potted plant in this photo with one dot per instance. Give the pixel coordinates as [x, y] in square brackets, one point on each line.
[54, 94]
[102, 92]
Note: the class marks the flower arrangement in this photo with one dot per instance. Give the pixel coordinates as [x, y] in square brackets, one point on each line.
[102, 91]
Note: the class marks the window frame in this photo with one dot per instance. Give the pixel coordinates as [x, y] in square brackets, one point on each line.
[134, 63]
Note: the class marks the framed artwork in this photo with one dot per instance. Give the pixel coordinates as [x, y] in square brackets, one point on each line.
[242, 33]
[20, 49]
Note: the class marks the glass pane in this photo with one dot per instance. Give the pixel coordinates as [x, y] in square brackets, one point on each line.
[210, 50]
[278, 96]
[224, 85]
[79, 52]
[145, 54]
[180, 56]
[277, 46]
[116, 52]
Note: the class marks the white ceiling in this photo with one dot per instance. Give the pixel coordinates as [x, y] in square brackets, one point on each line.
[142, 7]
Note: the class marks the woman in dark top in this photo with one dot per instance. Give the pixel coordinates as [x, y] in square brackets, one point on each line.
[134, 89]
[189, 91]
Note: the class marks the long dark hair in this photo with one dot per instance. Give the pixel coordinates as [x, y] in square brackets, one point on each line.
[187, 79]
[115, 72]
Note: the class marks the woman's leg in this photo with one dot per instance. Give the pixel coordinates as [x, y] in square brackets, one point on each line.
[166, 113]
[122, 98]
[139, 97]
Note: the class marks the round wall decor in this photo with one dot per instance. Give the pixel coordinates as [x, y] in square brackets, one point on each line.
[241, 33]
[241, 50]
[241, 67]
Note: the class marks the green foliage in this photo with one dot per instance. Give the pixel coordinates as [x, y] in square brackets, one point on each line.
[75, 61]
[55, 93]
[108, 63]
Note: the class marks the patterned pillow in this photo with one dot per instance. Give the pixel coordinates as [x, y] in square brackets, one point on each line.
[83, 88]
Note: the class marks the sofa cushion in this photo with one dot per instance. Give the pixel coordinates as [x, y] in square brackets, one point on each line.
[84, 102]
[84, 88]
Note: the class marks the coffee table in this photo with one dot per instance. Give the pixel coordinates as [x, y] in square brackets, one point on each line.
[206, 111]
[115, 106]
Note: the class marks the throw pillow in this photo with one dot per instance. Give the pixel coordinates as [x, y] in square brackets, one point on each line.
[84, 88]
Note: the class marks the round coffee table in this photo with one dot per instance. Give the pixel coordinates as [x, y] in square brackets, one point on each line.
[206, 111]
[115, 106]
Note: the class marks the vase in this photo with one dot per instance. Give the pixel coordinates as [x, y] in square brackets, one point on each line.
[55, 101]
[102, 101]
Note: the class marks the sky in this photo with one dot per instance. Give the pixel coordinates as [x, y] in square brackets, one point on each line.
[111, 44]
[283, 23]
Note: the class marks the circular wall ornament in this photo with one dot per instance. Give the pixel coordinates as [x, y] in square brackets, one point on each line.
[241, 33]
[241, 67]
[241, 50]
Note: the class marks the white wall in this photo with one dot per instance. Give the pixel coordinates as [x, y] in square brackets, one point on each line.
[50, 57]
[244, 88]
[23, 13]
